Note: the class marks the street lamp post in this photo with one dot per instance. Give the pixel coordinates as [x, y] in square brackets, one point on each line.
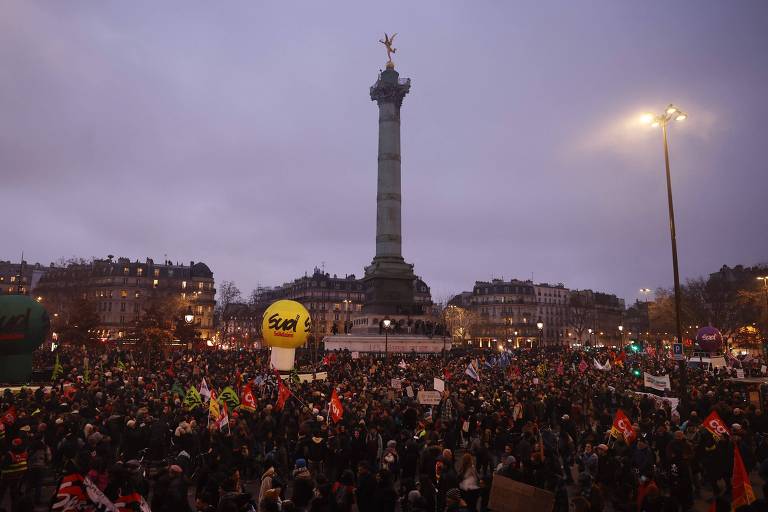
[621, 336]
[540, 325]
[387, 324]
[589, 338]
[672, 113]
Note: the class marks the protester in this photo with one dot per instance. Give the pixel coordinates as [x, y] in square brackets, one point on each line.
[145, 426]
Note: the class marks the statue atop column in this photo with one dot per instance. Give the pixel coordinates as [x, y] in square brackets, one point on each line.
[387, 42]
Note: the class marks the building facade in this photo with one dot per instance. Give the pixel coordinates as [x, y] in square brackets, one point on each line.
[19, 278]
[597, 318]
[121, 290]
[332, 302]
[517, 313]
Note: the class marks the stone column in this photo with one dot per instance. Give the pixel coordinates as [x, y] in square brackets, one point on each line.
[388, 92]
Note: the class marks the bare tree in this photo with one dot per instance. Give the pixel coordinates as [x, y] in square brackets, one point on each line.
[580, 311]
[228, 293]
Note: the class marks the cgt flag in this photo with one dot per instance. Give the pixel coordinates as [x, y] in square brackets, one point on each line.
[247, 399]
[622, 428]
[716, 426]
[335, 409]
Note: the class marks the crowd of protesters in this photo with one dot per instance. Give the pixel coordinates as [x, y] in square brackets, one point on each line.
[120, 418]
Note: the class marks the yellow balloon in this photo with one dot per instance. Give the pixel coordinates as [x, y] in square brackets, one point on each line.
[286, 324]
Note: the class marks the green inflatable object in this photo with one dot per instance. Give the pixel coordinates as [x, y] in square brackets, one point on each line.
[24, 324]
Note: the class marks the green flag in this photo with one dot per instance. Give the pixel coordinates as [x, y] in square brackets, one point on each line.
[120, 364]
[86, 372]
[177, 389]
[192, 399]
[229, 396]
[58, 370]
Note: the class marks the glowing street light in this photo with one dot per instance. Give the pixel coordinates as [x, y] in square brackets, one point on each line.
[189, 317]
[387, 323]
[540, 326]
[672, 113]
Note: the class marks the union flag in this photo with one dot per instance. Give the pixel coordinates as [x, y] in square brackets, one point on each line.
[283, 393]
[742, 493]
[336, 410]
[247, 400]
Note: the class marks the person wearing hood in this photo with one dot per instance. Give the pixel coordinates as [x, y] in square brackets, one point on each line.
[317, 453]
[266, 479]
[303, 485]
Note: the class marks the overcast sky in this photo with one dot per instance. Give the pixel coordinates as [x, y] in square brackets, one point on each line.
[242, 134]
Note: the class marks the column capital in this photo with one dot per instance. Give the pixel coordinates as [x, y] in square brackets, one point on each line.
[390, 88]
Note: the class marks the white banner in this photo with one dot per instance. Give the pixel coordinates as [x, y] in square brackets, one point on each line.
[673, 402]
[429, 397]
[660, 382]
[438, 384]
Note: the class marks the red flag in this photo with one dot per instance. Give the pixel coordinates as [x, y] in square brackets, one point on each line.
[336, 410]
[169, 371]
[622, 427]
[716, 425]
[326, 360]
[283, 393]
[223, 421]
[742, 493]
[446, 374]
[132, 503]
[71, 494]
[247, 400]
[9, 416]
[620, 359]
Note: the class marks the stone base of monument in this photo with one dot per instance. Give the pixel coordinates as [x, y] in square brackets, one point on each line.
[393, 344]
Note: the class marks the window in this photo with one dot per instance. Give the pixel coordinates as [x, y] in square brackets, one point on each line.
[199, 310]
[135, 308]
[13, 279]
[155, 283]
[139, 272]
[123, 293]
[183, 285]
[200, 286]
[157, 272]
[126, 270]
[170, 272]
[122, 319]
[122, 306]
[109, 306]
[137, 294]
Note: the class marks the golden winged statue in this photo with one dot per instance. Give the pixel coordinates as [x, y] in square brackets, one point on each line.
[387, 41]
